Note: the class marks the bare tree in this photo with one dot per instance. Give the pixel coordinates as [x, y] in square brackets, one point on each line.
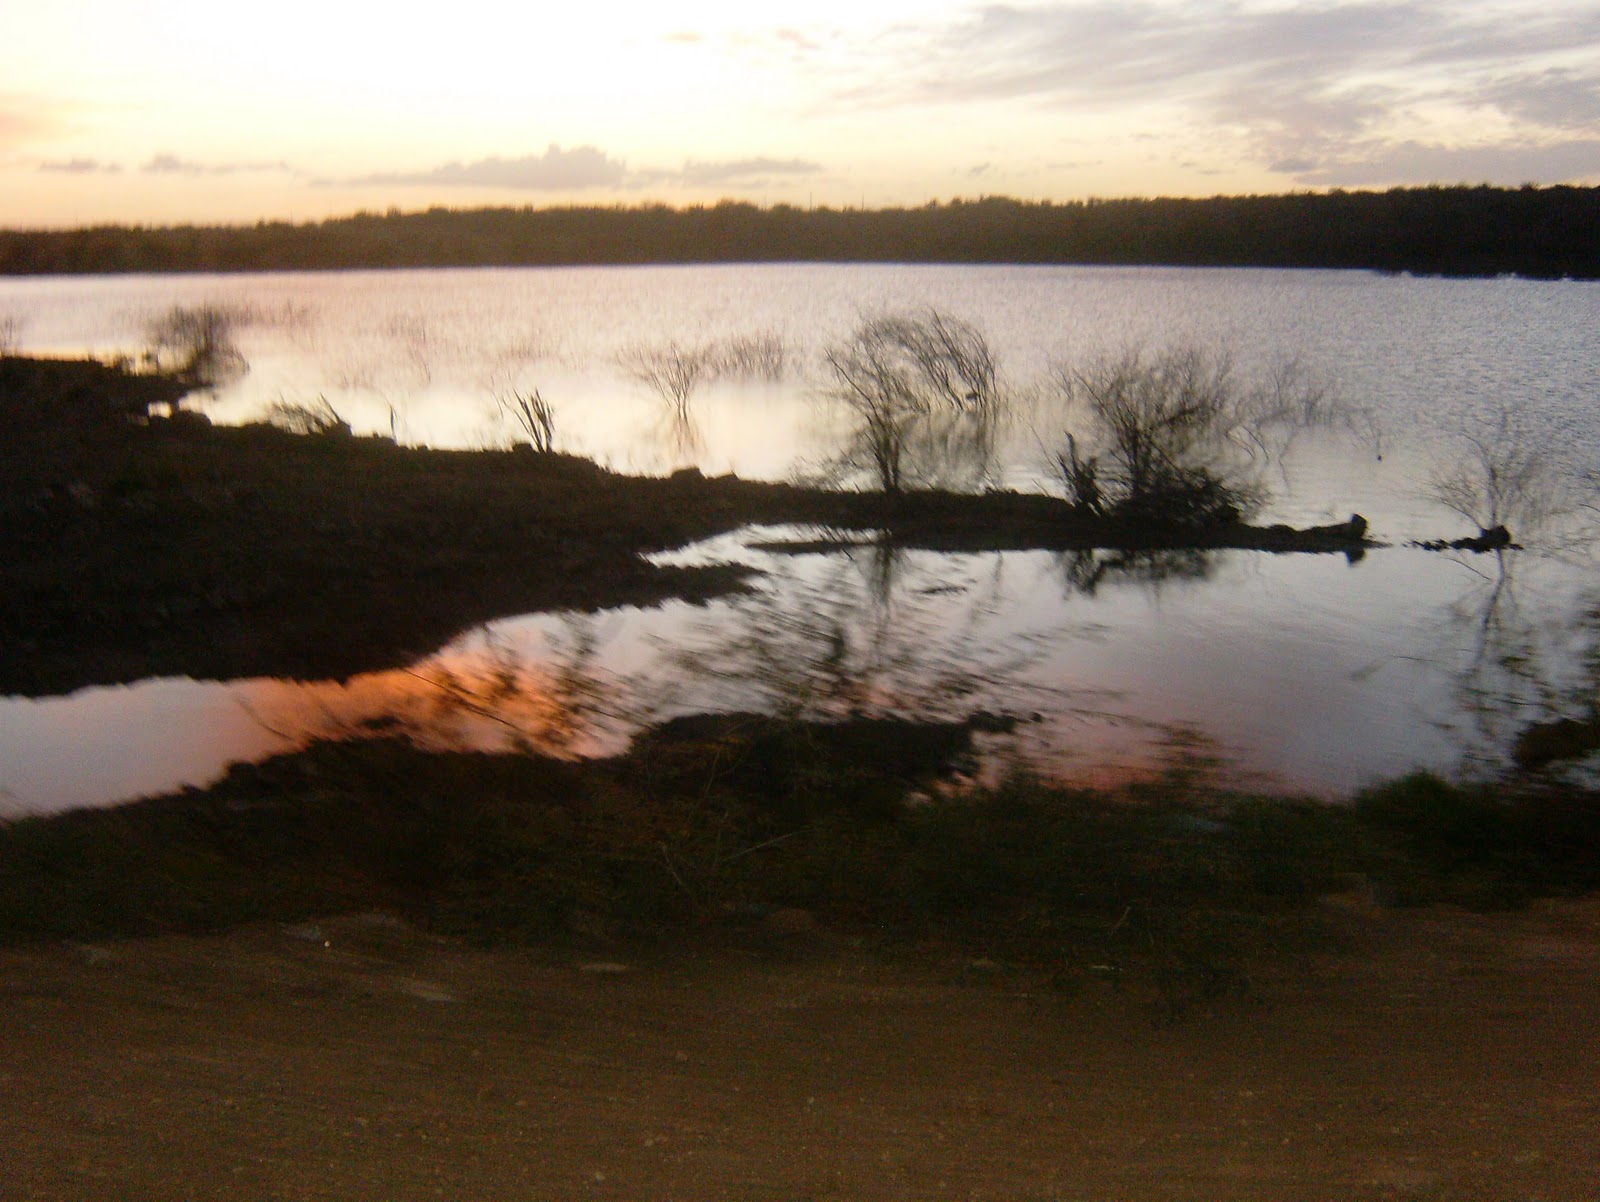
[670, 369]
[1175, 436]
[197, 343]
[923, 389]
[952, 356]
[419, 344]
[763, 355]
[1503, 479]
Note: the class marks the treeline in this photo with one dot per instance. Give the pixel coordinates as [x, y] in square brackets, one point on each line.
[1531, 231]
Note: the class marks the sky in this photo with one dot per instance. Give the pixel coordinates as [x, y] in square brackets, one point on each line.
[174, 111]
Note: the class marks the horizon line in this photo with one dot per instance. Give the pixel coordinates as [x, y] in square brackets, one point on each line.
[395, 212]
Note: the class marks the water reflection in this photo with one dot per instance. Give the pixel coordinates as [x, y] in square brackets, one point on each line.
[681, 435]
[1086, 570]
[542, 685]
[1304, 672]
[551, 694]
[1259, 660]
[1517, 660]
[872, 631]
[877, 631]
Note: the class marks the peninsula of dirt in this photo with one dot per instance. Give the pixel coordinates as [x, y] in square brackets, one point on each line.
[133, 546]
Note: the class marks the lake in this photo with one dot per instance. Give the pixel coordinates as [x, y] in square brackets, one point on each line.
[1305, 673]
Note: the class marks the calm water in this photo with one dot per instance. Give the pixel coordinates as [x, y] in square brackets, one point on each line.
[1308, 672]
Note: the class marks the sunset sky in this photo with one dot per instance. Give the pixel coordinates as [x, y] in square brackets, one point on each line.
[181, 111]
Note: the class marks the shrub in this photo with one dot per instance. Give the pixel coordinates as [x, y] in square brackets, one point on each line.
[317, 418]
[534, 415]
[1174, 437]
[1162, 430]
[1481, 845]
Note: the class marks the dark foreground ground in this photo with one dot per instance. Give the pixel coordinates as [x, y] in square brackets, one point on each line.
[1452, 1057]
[732, 964]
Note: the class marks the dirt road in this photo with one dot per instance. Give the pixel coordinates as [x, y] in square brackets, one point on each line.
[1450, 1056]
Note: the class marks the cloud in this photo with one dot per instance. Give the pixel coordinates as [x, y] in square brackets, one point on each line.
[589, 167]
[1113, 52]
[786, 47]
[797, 39]
[1560, 98]
[1391, 165]
[1293, 166]
[171, 164]
[745, 171]
[1354, 81]
[80, 166]
[555, 170]
[17, 126]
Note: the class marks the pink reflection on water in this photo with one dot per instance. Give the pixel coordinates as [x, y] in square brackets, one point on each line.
[104, 745]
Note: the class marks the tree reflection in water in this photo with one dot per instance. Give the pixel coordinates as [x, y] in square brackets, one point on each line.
[866, 632]
[680, 433]
[1086, 569]
[1517, 666]
[872, 630]
[559, 701]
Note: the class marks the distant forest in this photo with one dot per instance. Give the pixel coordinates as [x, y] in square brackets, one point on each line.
[1470, 231]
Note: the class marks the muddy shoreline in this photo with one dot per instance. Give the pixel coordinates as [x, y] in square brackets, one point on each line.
[133, 548]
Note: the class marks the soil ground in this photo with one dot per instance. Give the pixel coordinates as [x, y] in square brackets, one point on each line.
[1449, 1056]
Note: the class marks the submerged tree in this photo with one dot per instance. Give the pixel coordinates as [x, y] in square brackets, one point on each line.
[1504, 480]
[197, 343]
[670, 369]
[924, 391]
[1175, 437]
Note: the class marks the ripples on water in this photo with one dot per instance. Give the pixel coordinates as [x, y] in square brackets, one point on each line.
[1312, 673]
